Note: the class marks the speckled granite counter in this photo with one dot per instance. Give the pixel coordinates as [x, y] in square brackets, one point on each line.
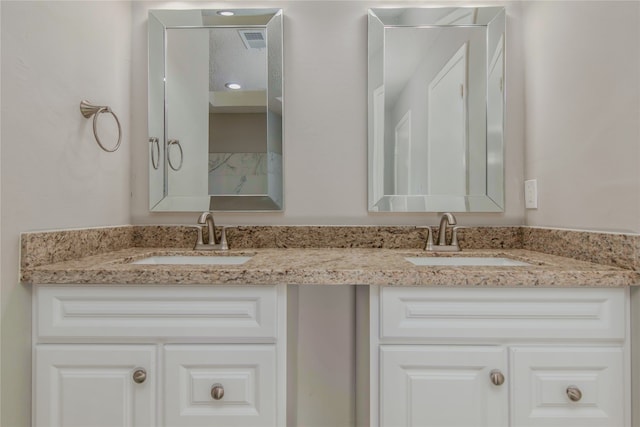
[330, 266]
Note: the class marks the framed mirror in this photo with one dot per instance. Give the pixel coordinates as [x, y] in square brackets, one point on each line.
[436, 79]
[215, 110]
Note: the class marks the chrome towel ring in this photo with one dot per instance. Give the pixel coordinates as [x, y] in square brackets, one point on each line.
[171, 165]
[87, 109]
[155, 148]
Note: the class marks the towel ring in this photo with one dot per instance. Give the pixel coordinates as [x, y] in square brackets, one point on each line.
[155, 160]
[169, 144]
[87, 109]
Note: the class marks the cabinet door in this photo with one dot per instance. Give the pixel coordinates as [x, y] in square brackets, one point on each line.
[442, 386]
[93, 386]
[571, 386]
[245, 378]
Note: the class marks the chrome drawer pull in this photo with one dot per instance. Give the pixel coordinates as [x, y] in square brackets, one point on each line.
[574, 393]
[497, 377]
[217, 391]
[139, 376]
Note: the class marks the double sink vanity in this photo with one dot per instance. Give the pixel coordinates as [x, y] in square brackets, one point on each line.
[132, 326]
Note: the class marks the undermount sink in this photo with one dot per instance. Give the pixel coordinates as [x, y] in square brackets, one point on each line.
[194, 260]
[466, 261]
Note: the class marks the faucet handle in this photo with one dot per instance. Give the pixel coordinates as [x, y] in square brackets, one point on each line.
[454, 234]
[429, 244]
[199, 241]
[223, 239]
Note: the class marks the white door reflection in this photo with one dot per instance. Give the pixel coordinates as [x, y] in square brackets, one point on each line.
[495, 93]
[447, 145]
[403, 155]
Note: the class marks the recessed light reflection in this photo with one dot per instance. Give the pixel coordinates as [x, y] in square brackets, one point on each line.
[234, 86]
[225, 13]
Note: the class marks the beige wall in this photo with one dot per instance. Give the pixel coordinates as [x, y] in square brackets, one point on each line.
[582, 62]
[54, 54]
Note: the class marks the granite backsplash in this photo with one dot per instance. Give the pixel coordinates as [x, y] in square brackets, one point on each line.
[619, 250]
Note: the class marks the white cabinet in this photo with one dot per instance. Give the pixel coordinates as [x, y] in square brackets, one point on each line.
[93, 385]
[244, 377]
[499, 357]
[175, 356]
[442, 386]
[176, 313]
[568, 386]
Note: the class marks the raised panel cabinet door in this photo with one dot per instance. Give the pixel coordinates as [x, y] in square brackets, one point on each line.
[443, 386]
[221, 385]
[94, 386]
[568, 386]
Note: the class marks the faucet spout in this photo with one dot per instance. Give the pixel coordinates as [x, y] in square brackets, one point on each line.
[447, 219]
[207, 218]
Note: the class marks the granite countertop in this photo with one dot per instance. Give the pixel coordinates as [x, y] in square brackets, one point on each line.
[331, 266]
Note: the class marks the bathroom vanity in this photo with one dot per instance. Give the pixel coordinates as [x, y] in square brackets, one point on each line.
[499, 357]
[203, 355]
[540, 344]
[159, 355]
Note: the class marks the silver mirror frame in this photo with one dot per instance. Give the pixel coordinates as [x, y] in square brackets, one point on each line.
[160, 197]
[381, 19]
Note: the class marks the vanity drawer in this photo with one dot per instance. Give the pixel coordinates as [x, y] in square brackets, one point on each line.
[243, 376]
[568, 386]
[412, 313]
[140, 314]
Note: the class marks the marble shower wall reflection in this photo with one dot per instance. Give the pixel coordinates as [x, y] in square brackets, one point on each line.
[274, 177]
[242, 173]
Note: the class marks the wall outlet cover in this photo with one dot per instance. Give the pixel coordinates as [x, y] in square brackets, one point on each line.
[531, 194]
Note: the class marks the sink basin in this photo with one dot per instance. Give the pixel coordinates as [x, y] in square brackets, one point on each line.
[466, 261]
[194, 260]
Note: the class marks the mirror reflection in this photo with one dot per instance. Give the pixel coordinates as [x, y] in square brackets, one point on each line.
[436, 103]
[215, 107]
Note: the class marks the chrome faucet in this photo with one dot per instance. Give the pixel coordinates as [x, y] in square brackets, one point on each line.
[447, 220]
[212, 243]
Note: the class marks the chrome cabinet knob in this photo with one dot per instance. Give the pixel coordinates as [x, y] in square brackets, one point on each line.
[497, 377]
[139, 376]
[217, 391]
[574, 393]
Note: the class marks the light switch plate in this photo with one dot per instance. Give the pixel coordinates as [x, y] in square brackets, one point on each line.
[531, 194]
